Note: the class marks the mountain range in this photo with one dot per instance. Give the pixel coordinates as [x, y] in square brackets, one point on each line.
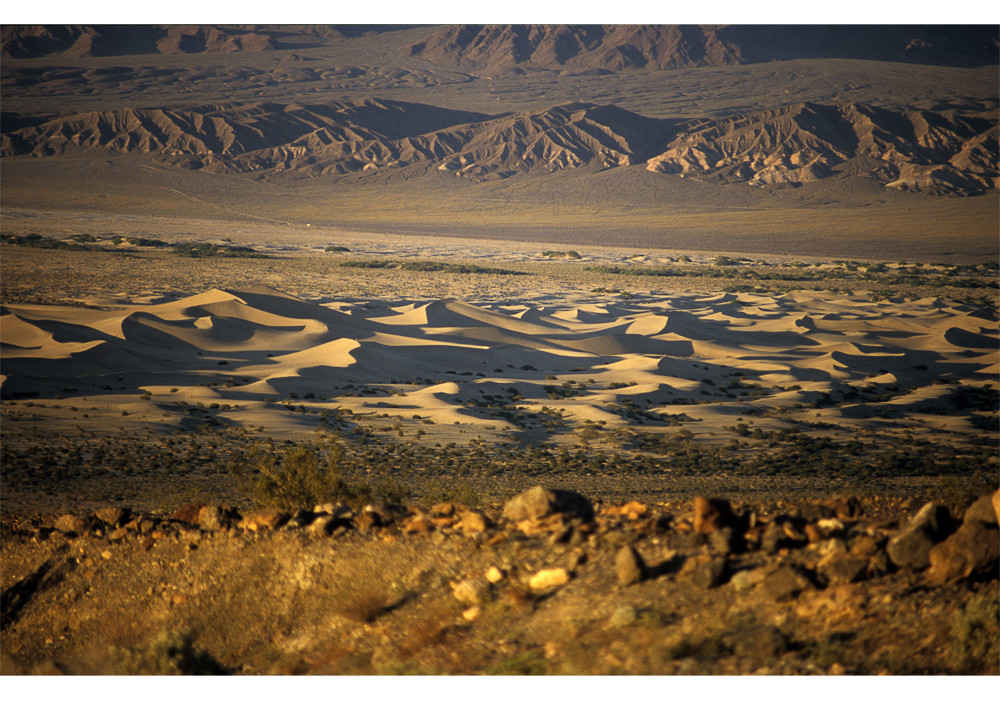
[934, 152]
[492, 47]
[651, 135]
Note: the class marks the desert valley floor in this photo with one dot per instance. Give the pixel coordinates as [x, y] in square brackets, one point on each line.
[436, 343]
[487, 349]
[445, 376]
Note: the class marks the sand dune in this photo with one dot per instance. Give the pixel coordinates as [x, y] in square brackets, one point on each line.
[441, 360]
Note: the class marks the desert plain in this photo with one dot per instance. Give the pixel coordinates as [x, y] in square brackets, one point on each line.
[281, 378]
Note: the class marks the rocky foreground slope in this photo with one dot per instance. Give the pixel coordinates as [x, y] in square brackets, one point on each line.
[550, 584]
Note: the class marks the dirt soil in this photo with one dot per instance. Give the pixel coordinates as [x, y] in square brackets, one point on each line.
[768, 588]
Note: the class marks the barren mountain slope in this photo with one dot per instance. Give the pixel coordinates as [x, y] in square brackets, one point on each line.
[26, 41]
[617, 47]
[610, 48]
[938, 152]
[916, 150]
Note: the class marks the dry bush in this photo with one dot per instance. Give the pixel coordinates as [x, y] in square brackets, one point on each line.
[975, 648]
[299, 478]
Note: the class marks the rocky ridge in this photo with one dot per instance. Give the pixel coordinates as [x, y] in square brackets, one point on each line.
[614, 48]
[913, 150]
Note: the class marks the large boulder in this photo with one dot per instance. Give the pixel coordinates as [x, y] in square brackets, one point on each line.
[539, 502]
[973, 550]
[188, 513]
[981, 511]
[910, 547]
[71, 524]
[114, 516]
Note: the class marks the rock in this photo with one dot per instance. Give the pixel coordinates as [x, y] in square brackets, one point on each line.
[324, 525]
[187, 513]
[981, 511]
[748, 578]
[973, 550]
[710, 573]
[845, 507]
[773, 539]
[264, 519]
[752, 537]
[211, 518]
[831, 547]
[389, 513]
[785, 582]
[474, 591]
[711, 514]
[538, 502]
[935, 518]
[70, 523]
[114, 516]
[473, 522]
[812, 512]
[418, 524]
[629, 566]
[623, 616]
[442, 510]
[552, 524]
[864, 545]
[548, 578]
[793, 533]
[757, 641]
[631, 510]
[118, 534]
[841, 567]
[472, 613]
[725, 541]
[366, 519]
[878, 564]
[830, 526]
[996, 505]
[911, 545]
[494, 575]
[300, 518]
